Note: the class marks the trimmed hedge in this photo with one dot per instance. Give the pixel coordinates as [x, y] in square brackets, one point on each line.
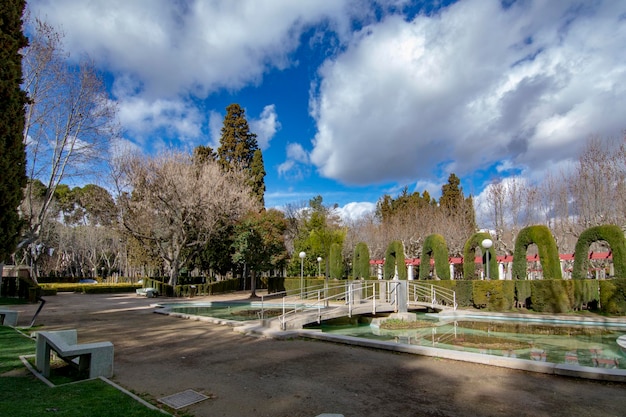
[361, 261]
[435, 247]
[548, 252]
[610, 233]
[395, 256]
[494, 295]
[469, 255]
[613, 296]
[89, 288]
[336, 261]
[217, 287]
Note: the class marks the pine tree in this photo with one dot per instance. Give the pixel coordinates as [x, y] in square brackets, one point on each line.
[12, 102]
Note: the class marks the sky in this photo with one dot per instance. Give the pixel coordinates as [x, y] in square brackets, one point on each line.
[355, 99]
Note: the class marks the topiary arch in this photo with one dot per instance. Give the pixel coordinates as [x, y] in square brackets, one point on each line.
[361, 261]
[395, 256]
[548, 252]
[435, 247]
[610, 233]
[469, 256]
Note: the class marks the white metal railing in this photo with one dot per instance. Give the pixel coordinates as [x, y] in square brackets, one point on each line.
[346, 293]
[429, 293]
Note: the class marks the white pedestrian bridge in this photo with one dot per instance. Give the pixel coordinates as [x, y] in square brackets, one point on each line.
[351, 298]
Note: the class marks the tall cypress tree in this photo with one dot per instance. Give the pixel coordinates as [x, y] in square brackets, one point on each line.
[12, 102]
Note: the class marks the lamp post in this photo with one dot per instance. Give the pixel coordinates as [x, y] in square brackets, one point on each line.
[487, 243]
[319, 266]
[302, 255]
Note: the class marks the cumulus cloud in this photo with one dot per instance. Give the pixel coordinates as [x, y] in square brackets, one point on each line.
[355, 211]
[265, 126]
[476, 83]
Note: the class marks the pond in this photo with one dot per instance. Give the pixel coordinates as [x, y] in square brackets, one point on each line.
[588, 345]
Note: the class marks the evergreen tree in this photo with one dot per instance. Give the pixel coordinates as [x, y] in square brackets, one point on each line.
[239, 150]
[257, 177]
[12, 119]
[451, 195]
[237, 143]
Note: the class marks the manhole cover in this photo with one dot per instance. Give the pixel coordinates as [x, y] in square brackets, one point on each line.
[183, 399]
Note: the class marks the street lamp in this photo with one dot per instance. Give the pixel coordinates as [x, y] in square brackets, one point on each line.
[302, 256]
[487, 243]
[319, 266]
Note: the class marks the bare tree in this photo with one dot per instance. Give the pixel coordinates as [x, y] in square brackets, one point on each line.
[178, 205]
[69, 121]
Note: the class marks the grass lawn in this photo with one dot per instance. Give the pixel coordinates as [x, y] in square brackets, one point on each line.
[24, 395]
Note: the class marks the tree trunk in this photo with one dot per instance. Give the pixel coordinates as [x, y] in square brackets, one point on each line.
[253, 283]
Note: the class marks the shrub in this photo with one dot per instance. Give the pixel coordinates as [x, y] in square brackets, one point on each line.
[549, 296]
[361, 261]
[395, 257]
[548, 252]
[614, 236]
[522, 293]
[613, 296]
[435, 247]
[336, 261]
[469, 256]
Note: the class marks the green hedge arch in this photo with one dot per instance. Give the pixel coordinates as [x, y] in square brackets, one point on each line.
[361, 261]
[548, 252]
[395, 256]
[610, 233]
[469, 254]
[435, 247]
[335, 261]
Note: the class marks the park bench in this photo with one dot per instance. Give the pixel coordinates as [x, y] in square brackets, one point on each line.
[96, 357]
[148, 292]
[8, 317]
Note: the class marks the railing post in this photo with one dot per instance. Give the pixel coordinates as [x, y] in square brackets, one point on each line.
[373, 298]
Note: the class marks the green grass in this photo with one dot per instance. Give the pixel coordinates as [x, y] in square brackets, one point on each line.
[24, 395]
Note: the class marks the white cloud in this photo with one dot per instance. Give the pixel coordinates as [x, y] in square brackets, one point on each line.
[265, 126]
[296, 166]
[470, 86]
[355, 211]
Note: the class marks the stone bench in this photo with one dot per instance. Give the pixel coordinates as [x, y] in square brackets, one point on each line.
[148, 292]
[8, 318]
[97, 357]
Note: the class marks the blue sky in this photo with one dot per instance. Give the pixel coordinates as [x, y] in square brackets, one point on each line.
[355, 99]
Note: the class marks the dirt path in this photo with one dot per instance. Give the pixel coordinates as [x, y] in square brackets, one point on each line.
[160, 355]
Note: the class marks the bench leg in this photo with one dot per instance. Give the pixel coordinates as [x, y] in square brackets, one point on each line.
[42, 360]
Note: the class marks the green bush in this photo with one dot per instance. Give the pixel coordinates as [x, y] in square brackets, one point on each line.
[614, 236]
[361, 261]
[469, 256]
[395, 256]
[549, 296]
[522, 293]
[613, 296]
[89, 288]
[548, 252]
[494, 295]
[336, 261]
[435, 247]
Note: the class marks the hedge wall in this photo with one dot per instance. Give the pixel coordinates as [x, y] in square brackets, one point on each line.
[435, 247]
[614, 236]
[395, 256]
[469, 255]
[613, 296]
[548, 252]
[361, 261]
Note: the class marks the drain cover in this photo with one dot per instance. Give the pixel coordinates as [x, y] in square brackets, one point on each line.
[183, 399]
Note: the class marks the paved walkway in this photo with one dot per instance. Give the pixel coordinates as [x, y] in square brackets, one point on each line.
[157, 356]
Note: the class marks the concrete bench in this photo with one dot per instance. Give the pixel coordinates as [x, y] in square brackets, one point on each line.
[148, 292]
[8, 318]
[97, 357]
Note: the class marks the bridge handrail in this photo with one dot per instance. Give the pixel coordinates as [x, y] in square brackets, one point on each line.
[432, 293]
[321, 302]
